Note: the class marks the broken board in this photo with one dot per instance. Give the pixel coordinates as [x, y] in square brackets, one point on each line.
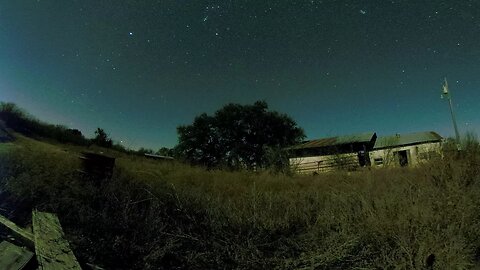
[51, 247]
[22, 235]
[13, 257]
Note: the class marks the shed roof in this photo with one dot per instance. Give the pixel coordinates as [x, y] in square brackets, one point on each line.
[407, 139]
[339, 140]
[158, 156]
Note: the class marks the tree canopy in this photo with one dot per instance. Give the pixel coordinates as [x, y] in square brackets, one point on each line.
[102, 139]
[237, 136]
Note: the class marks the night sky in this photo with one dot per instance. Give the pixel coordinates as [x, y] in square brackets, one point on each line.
[140, 68]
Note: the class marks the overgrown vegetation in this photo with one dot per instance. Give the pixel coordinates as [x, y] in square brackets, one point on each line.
[154, 215]
[164, 215]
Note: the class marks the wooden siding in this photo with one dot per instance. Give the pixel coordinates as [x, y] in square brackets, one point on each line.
[317, 164]
[418, 154]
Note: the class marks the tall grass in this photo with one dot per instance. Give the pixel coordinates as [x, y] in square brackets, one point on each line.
[154, 215]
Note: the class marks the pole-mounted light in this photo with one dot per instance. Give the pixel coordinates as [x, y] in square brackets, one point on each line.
[446, 94]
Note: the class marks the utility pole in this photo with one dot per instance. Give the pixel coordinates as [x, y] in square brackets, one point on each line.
[446, 94]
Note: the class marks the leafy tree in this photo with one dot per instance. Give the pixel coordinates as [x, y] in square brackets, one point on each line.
[164, 151]
[143, 151]
[15, 118]
[102, 139]
[199, 143]
[237, 136]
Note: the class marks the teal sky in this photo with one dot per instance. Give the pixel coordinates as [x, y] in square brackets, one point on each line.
[139, 69]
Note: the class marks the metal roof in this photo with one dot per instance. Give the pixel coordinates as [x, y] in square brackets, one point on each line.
[407, 139]
[158, 156]
[339, 140]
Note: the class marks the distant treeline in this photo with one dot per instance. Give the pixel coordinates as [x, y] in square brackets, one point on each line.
[22, 122]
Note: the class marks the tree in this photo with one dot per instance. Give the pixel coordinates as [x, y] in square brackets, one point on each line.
[237, 136]
[102, 139]
[142, 151]
[16, 118]
[199, 143]
[164, 151]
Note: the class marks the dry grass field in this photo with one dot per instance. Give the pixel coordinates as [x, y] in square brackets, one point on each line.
[161, 215]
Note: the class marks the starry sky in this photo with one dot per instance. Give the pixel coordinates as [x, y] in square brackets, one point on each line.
[140, 68]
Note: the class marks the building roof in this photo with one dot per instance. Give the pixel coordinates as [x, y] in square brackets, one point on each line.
[407, 139]
[158, 156]
[339, 140]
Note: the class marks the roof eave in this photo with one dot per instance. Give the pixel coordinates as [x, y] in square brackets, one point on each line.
[407, 144]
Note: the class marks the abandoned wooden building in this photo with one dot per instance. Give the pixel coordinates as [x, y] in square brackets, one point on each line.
[406, 149]
[364, 150]
[322, 155]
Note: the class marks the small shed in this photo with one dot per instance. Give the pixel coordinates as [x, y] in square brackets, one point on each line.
[97, 165]
[406, 149]
[326, 154]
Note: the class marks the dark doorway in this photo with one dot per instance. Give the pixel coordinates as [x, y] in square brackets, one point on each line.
[363, 158]
[402, 158]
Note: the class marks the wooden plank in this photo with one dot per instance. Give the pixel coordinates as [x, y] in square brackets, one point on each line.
[51, 247]
[22, 235]
[13, 257]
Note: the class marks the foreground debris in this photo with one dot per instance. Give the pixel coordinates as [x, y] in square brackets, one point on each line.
[13, 257]
[23, 236]
[51, 248]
